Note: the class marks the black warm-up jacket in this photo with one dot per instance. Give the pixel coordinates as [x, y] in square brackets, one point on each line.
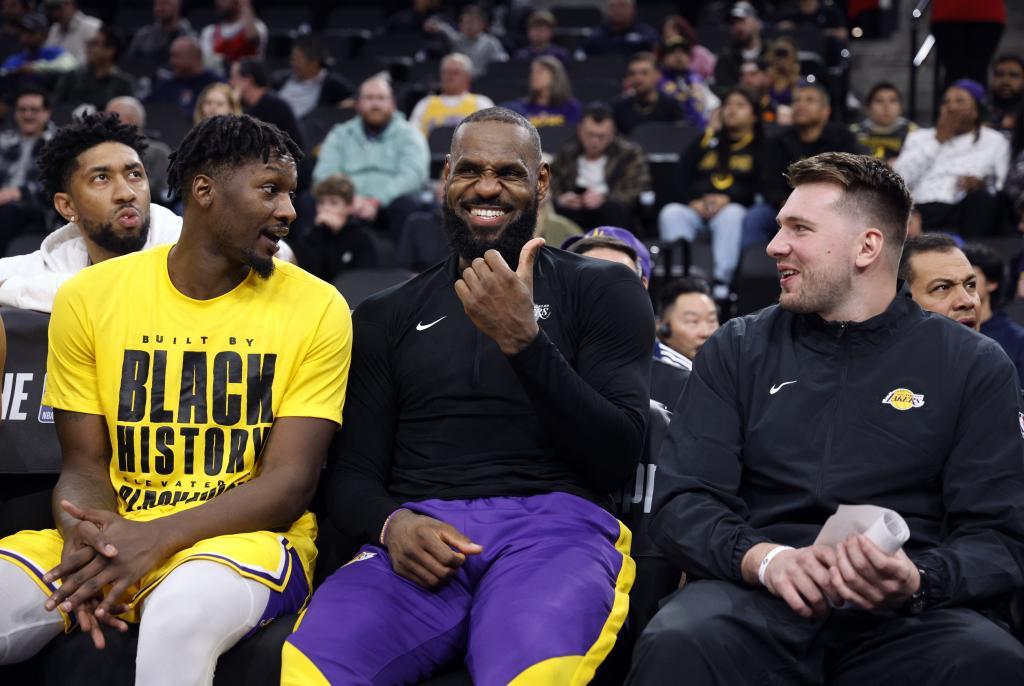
[787, 416]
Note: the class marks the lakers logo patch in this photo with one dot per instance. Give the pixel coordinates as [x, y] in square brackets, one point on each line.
[903, 399]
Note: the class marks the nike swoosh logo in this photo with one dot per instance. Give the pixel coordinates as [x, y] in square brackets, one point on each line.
[776, 389]
[423, 327]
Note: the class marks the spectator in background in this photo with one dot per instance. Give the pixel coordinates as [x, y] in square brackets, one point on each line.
[669, 370]
[754, 78]
[251, 80]
[35, 57]
[99, 79]
[954, 170]
[597, 179]
[940, 278]
[702, 60]
[550, 102]
[811, 134]
[152, 43]
[71, 28]
[827, 18]
[643, 101]
[455, 102]
[22, 204]
[745, 44]
[237, 33]
[1006, 92]
[311, 85]
[885, 128]
[540, 32]
[966, 35]
[472, 39]
[1014, 186]
[338, 240]
[385, 156]
[421, 20]
[622, 33]
[687, 316]
[217, 98]
[993, 278]
[716, 181]
[11, 12]
[188, 77]
[157, 153]
[783, 70]
[680, 81]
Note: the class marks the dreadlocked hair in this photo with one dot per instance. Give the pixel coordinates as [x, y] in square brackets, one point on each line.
[58, 158]
[224, 141]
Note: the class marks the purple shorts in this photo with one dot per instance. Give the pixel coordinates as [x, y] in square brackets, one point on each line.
[543, 603]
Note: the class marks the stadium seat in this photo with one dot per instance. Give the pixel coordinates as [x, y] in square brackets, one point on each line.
[440, 142]
[201, 17]
[286, 17]
[570, 16]
[552, 138]
[369, 17]
[23, 244]
[167, 123]
[756, 283]
[664, 141]
[359, 284]
[128, 18]
[318, 123]
[594, 88]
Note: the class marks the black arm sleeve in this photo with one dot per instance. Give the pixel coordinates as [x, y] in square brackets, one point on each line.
[982, 555]
[597, 413]
[360, 461]
[700, 521]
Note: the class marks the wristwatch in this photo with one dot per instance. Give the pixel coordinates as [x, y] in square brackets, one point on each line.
[916, 603]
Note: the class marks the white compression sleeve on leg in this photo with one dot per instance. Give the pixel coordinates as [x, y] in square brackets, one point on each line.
[25, 626]
[197, 613]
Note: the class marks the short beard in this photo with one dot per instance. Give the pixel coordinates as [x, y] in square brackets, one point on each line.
[264, 268]
[821, 293]
[104, 236]
[509, 244]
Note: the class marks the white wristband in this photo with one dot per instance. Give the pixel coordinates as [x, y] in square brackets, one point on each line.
[763, 567]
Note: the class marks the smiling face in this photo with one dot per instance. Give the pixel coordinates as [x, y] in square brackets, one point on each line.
[108, 194]
[814, 251]
[493, 182]
[945, 283]
[215, 102]
[253, 204]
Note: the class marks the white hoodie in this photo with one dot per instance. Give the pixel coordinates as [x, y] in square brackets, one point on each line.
[29, 282]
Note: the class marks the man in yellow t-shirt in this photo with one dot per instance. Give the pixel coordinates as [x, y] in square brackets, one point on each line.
[196, 389]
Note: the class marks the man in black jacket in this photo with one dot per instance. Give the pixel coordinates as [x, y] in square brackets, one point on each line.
[845, 393]
[498, 398]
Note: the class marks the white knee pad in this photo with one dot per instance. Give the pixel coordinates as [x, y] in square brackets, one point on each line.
[196, 614]
[25, 627]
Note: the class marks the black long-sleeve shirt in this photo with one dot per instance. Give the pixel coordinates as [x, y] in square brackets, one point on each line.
[788, 148]
[436, 410]
[785, 417]
[717, 164]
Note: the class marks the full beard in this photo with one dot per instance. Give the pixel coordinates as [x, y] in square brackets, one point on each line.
[104, 236]
[509, 243]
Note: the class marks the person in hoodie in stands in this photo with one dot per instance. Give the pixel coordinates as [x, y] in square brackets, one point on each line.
[107, 208]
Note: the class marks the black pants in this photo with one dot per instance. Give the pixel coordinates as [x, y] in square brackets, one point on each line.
[717, 632]
[965, 48]
[611, 213]
[974, 216]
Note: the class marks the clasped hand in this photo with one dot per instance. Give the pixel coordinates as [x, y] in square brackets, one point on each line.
[813, 579]
[104, 555]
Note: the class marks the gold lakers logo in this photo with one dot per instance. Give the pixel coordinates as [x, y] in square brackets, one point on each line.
[903, 399]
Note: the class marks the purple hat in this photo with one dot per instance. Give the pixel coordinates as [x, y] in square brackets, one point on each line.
[619, 234]
[976, 90]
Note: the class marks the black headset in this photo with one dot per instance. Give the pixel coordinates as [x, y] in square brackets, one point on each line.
[665, 330]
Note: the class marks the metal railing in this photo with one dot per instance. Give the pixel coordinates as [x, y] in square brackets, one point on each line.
[919, 52]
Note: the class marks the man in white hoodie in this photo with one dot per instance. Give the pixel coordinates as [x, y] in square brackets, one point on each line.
[108, 211]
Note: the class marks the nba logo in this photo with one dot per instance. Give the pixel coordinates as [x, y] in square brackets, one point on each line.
[45, 411]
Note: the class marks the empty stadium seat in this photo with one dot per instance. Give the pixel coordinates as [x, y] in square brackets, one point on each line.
[362, 17]
[571, 16]
[167, 122]
[286, 17]
[318, 123]
[756, 283]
